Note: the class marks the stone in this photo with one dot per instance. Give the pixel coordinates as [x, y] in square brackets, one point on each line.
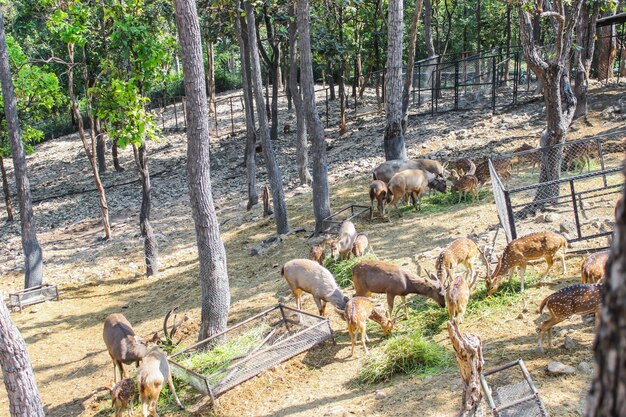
[550, 217]
[585, 368]
[520, 316]
[569, 343]
[380, 395]
[335, 411]
[567, 227]
[558, 368]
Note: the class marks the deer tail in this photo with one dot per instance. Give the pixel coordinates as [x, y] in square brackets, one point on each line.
[543, 304]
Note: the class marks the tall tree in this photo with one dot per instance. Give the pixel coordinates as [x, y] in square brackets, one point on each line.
[213, 274]
[583, 54]
[321, 201]
[17, 370]
[33, 255]
[273, 170]
[408, 80]
[394, 137]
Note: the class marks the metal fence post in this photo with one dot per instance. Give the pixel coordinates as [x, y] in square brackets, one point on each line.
[509, 211]
[456, 85]
[419, 85]
[601, 158]
[326, 91]
[232, 119]
[493, 84]
[575, 207]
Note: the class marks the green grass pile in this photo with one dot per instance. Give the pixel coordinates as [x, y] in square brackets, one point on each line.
[342, 270]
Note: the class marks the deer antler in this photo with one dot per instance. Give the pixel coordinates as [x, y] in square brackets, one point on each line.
[169, 337]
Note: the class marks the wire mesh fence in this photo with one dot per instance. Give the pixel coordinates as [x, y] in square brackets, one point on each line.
[571, 187]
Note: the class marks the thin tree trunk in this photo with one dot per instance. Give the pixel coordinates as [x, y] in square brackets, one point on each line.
[33, 256]
[331, 79]
[302, 154]
[213, 274]
[114, 156]
[250, 156]
[7, 191]
[211, 75]
[342, 76]
[393, 137]
[469, 355]
[430, 45]
[606, 52]
[17, 370]
[150, 245]
[583, 55]
[408, 80]
[273, 170]
[321, 201]
[479, 40]
[101, 147]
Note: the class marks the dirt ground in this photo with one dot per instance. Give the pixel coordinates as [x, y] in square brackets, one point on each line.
[97, 277]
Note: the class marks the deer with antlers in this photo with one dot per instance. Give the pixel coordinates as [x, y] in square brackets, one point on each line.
[461, 251]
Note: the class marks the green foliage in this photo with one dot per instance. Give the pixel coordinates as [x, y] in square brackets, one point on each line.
[342, 270]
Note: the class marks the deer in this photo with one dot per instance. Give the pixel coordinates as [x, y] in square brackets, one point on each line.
[124, 346]
[151, 375]
[457, 294]
[305, 275]
[358, 310]
[123, 396]
[412, 182]
[360, 245]
[579, 152]
[575, 299]
[465, 166]
[461, 251]
[502, 167]
[592, 268]
[467, 183]
[520, 251]
[370, 276]
[317, 252]
[342, 247]
[531, 158]
[385, 171]
[378, 192]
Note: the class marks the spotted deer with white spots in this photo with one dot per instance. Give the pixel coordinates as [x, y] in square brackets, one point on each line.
[462, 251]
[522, 250]
[592, 268]
[575, 299]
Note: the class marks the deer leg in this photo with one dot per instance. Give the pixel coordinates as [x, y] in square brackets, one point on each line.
[550, 262]
[522, 272]
[320, 307]
[371, 209]
[352, 338]
[114, 371]
[406, 309]
[170, 382]
[154, 407]
[562, 256]
[476, 196]
[298, 295]
[323, 308]
[144, 407]
[364, 337]
[460, 194]
[390, 299]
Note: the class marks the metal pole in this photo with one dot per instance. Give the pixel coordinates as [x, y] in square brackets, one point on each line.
[493, 84]
[601, 158]
[232, 120]
[456, 85]
[509, 212]
[175, 113]
[326, 91]
[419, 85]
[575, 207]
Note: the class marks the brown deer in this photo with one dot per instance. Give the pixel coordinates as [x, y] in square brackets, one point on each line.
[342, 247]
[385, 171]
[457, 295]
[317, 253]
[304, 275]
[592, 268]
[123, 396]
[369, 276]
[124, 346]
[575, 299]
[151, 375]
[520, 251]
[358, 311]
[461, 251]
[573, 154]
[502, 167]
[378, 192]
[360, 245]
[464, 184]
[464, 166]
[411, 182]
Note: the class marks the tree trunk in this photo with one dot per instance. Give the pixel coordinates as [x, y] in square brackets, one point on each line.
[394, 138]
[477, 78]
[302, 154]
[244, 52]
[101, 147]
[583, 55]
[33, 257]
[428, 28]
[213, 274]
[7, 191]
[606, 397]
[211, 75]
[408, 81]
[606, 52]
[114, 156]
[273, 170]
[150, 246]
[469, 355]
[342, 76]
[331, 79]
[17, 371]
[321, 202]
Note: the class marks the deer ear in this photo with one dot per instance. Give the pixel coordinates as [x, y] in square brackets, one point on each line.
[155, 338]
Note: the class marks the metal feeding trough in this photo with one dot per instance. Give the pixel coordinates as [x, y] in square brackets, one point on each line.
[33, 295]
[245, 350]
[332, 223]
[512, 393]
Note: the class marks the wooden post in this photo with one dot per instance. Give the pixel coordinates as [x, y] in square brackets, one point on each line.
[469, 354]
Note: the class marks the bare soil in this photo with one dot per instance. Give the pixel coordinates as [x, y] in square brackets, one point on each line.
[97, 277]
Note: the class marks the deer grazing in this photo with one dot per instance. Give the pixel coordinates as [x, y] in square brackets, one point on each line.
[520, 251]
[467, 183]
[378, 192]
[124, 346]
[123, 396]
[464, 166]
[575, 299]
[369, 276]
[358, 311]
[385, 171]
[502, 167]
[461, 251]
[457, 294]
[317, 253]
[592, 268]
[360, 245]
[412, 182]
[151, 375]
[304, 275]
[342, 247]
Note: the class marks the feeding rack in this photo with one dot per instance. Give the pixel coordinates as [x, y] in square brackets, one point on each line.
[333, 222]
[257, 344]
[512, 394]
[33, 295]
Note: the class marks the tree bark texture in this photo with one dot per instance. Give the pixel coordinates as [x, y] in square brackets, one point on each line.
[408, 80]
[302, 153]
[606, 52]
[101, 147]
[428, 28]
[212, 255]
[6, 190]
[250, 156]
[211, 75]
[273, 170]
[115, 157]
[321, 201]
[394, 138]
[33, 256]
[150, 246]
[273, 64]
[17, 371]
[606, 397]
[469, 355]
[583, 55]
